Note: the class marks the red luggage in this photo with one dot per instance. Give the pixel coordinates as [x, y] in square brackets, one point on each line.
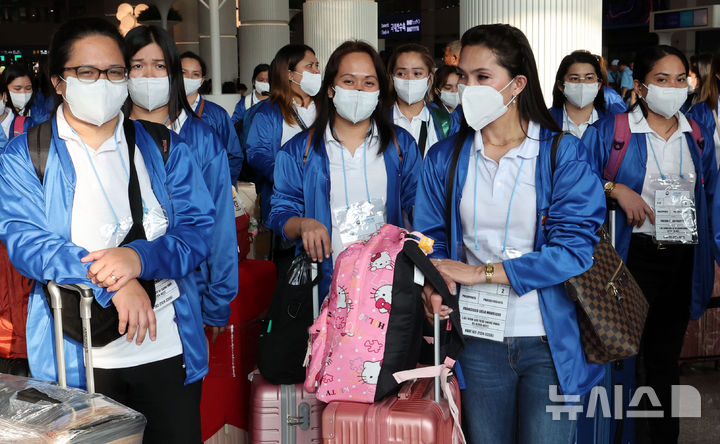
[411, 416]
[226, 390]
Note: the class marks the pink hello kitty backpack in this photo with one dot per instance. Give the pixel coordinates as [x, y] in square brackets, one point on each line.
[371, 325]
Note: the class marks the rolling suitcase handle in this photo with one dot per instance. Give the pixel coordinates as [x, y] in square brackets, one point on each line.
[612, 207]
[436, 302]
[86, 299]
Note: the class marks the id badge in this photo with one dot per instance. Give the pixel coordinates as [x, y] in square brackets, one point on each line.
[166, 291]
[359, 221]
[483, 310]
[675, 217]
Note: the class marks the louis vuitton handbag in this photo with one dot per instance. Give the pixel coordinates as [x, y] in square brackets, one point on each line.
[611, 307]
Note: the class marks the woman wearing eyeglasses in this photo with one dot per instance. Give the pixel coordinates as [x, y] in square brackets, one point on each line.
[576, 102]
[97, 194]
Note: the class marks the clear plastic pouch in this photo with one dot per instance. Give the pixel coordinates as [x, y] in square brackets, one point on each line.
[675, 212]
[360, 220]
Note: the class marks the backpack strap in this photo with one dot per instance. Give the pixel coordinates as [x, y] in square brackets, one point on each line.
[307, 145]
[553, 151]
[697, 135]
[159, 133]
[38, 139]
[621, 140]
[19, 125]
[450, 186]
[201, 107]
[441, 118]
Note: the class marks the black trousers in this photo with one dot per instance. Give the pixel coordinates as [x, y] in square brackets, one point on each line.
[665, 277]
[158, 391]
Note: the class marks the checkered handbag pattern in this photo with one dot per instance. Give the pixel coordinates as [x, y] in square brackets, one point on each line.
[611, 308]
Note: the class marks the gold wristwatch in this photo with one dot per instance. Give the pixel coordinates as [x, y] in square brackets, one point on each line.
[608, 187]
[489, 272]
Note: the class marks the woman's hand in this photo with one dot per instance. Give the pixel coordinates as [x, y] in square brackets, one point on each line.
[316, 239]
[135, 312]
[428, 294]
[460, 272]
[633, 205]
[113, 267]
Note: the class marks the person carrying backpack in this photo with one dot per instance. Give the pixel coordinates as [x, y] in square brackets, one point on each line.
[660, 168]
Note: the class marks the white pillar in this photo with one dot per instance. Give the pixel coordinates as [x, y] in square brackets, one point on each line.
[218, 40]
[263, 30]
[554, 28]
[328, 23]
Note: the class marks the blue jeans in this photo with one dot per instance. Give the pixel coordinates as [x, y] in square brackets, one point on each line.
[508, 390]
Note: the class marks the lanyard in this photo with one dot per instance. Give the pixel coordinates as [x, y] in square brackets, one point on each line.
[512, 197]
[652, 148]
[97, 176]
[299, 119]
[342, 156]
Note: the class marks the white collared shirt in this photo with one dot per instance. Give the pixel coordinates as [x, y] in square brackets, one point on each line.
[668, 155]
[7, 123]
[306, 114]
[177, 125]
[486, 197]
[93, 220]
[355, 176]
[415, 125]
[575, 129]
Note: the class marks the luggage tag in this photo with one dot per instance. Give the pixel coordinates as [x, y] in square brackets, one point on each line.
[675, 212]
[359, 221]
[483, 307]
[166, 291]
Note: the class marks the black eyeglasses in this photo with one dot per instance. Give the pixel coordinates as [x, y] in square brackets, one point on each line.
[90, 74]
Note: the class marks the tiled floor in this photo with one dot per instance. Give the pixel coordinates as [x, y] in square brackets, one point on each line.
[706, 429]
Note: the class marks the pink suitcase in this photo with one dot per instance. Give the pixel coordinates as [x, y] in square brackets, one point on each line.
[284, 414]
[412, 416]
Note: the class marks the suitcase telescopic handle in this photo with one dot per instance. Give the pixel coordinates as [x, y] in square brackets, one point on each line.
[436, 302]
[86, 298]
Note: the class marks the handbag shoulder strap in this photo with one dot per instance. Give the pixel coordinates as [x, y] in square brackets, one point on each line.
[450, 185]
[621, 140]
[38, 140]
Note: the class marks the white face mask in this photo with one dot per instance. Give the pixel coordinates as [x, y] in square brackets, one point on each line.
[482, 104]
[19, 100]
[261, 87]
[450, 99]
[310, 82]
[149, 92]
[411, 91]
[665, 101]
[192, 85]
[580, 94]
[354, 105]
[96, 103]
[2, 105]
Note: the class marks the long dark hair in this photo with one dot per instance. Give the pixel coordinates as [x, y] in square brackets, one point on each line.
[286, 60]
[710, 87]
[404, 49]
[70, 32]
[512, 51]
[645, 62]
[15, 71]
[142, 36]
[259, 69]
[569, 60]
[325, 106]
[441, 76]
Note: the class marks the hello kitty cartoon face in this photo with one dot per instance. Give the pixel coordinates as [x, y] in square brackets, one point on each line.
[371, 371]
[381, 261]
[341, 297]
[383, 298]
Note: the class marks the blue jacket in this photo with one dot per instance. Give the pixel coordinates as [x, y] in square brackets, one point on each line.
[571, 208]
[239, 113]
[613, 102]
[29, 123]
[702, 114]
[42, 107]
[599, 137]
[218, 119]
[35, 227]
[217, 280]
[304, 190]
[262, 134]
